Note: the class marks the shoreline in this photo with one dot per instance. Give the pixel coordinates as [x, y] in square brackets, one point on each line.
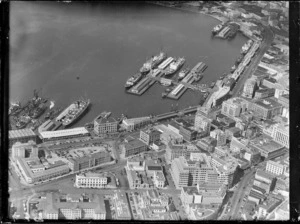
[189, 10]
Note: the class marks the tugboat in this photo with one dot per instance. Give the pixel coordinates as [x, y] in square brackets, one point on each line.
[164, 94]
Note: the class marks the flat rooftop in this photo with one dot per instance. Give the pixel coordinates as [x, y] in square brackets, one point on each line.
[21, 133]
[64, 133]
[268, 103]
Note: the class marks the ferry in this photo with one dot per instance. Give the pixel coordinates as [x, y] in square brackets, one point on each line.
[217, 29]
[183, 73]
[174, 66]
[153, 62]
[73, 112]
[133, 80]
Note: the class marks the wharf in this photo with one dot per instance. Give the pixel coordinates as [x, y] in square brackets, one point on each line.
[181, 87]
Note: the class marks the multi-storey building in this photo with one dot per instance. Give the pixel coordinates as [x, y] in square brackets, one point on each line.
[237, 144]
[250, 87]
[21, 135]
[234, 107]
[282, 135]
[175, 151]
[266, 108]
[148, 136]
[103, 125]
[33, 170]
[207, 143]
[135, 123]
[269, 149]
[57, 206]
[159, 179]
[219, 135]
[189, 173]
[133, 147]
[121, 206]
[24, 150]
[225, 167]
[88, 161]
[202, 122]
[91, 180]
[275, 168]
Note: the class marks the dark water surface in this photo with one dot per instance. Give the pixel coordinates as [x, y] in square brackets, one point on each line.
[53, 43]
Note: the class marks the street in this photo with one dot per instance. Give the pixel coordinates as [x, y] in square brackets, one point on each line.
[238, 196]
[268, 38]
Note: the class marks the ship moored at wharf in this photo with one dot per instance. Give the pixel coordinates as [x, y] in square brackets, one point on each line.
[246, 46]
[133, 80]
[73, 112]
[153, 62]
[174, 66]
[183, 73]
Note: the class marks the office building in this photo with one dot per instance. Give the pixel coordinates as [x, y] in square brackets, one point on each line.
[133, 147]
[90, 180]
[149, 136]
[135, 123]
[282, 135]
[275, 168]
[89, 161]
[24, 150]
[219, 135]
[121, 206]
[250, 87]
[266, 108]
[234, 107]
[269, 149]
[73, 206]
[188, 173]
[104, 125]
[207, 143]
[34, 171]
[202, 122]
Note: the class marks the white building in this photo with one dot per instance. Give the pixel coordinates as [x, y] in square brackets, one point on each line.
[90, 180]
[275, 168]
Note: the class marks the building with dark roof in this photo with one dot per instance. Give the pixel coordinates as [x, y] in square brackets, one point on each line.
[149, 135]
[133, 147]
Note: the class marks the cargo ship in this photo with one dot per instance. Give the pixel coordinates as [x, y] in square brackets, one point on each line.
[153, 62]
[133, 80]
[73, 112]
[174, 66]
[38, 111]
[15, 108]
[183, 73]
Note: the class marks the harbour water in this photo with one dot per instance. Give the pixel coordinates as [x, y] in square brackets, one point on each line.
[73, 50]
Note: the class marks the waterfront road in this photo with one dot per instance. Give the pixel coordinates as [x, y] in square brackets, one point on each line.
[266, 42]
[238, 196]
